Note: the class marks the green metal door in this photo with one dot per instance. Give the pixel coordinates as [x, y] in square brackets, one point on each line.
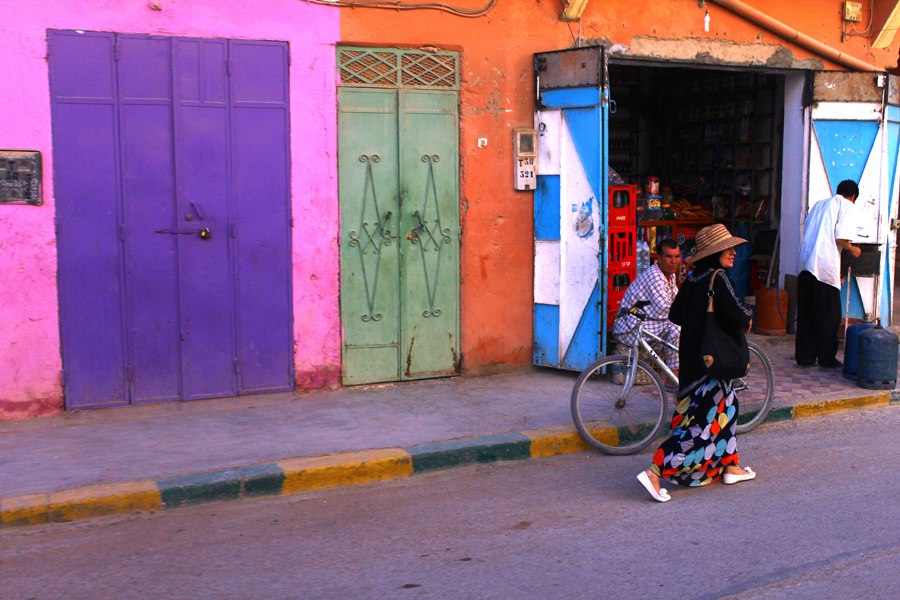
[370, 216]
[429, 267]
[399, 195]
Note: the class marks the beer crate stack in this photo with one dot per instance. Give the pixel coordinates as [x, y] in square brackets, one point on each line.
[622, 240]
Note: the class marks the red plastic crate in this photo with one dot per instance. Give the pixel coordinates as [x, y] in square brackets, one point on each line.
[622, 247]
[613, 302]
[622, 205]
[623, 265]
[618, 281]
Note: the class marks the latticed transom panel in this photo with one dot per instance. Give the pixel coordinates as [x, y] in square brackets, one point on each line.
[428, 70]
[368, 67]
[386, 67]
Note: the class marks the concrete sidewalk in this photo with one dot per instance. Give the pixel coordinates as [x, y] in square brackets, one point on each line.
[93, 463]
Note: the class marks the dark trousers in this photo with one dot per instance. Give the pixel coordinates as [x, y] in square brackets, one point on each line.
[818, 320]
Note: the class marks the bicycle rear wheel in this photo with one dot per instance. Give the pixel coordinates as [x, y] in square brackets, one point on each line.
[611, 421]
[755, 390]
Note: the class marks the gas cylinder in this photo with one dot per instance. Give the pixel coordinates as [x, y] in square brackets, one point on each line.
[771, 311]
[877, 369]
[851, 347]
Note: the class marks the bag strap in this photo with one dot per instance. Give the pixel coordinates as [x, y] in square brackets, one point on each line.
[712, 280]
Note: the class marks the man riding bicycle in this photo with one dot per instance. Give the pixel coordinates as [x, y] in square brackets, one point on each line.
[656, 285]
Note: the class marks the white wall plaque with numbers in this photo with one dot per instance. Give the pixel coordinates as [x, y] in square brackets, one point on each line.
[525, 159]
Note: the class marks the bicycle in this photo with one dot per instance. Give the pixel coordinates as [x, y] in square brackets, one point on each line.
[619, 402]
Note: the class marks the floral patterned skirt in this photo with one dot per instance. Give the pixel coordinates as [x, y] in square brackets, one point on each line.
[703, 440]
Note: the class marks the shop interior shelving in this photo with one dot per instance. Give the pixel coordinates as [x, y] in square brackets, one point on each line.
[625, 128]
[716, 136]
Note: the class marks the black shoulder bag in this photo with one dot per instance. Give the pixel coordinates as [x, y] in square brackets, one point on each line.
[725, 354]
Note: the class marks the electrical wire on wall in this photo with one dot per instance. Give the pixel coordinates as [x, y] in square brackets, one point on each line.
[397, 5]
[576, 41]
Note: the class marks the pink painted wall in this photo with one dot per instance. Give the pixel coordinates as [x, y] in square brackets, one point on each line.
[30, 360]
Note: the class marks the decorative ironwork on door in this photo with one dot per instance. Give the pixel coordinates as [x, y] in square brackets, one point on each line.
[379, 235]
[435, 236]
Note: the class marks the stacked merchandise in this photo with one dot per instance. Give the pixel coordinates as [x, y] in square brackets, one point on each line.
[653, 209]
[685, 210]
[621, 260]
[650, 236]
[663, 217]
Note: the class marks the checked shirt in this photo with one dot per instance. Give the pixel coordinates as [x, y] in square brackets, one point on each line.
[652, 285]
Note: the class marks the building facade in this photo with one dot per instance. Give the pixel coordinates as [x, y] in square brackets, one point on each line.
[227, 198]
[153, 118]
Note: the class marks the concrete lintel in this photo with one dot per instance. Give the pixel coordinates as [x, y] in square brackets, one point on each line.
[726, 53]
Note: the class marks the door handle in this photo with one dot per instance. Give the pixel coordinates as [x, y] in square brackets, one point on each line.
[203, 232]
[415, 232]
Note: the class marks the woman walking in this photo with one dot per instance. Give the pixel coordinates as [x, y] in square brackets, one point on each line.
[703, 445]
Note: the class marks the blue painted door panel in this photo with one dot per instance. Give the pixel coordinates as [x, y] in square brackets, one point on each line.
[261, 138]
[570, 224]
[148, 191]
[85, 133]
[202, 163]
[150, 310]
[848, 142]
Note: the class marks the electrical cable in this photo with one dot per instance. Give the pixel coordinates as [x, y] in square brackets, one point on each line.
[849, 31]
[574, 39]
[397, 5]
[575, 43]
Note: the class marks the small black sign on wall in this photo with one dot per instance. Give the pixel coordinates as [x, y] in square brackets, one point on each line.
[20, 177]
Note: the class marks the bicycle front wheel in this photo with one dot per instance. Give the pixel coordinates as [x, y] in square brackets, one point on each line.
[755, 390]
[611, 420]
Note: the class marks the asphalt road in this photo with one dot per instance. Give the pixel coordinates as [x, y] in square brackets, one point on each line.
[820, 521]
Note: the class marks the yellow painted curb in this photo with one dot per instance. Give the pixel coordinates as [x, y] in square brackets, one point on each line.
[555, 440]
[104, 499]
[349, 468]
[81, 503]
[830, 406]
[32, 509]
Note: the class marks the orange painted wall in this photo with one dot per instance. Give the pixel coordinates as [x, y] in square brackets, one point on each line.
[819, 19]
[497, 95]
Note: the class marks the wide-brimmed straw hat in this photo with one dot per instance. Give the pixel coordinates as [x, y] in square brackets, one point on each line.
[713, 239]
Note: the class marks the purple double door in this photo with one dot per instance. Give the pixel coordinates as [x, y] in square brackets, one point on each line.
[171, 162]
